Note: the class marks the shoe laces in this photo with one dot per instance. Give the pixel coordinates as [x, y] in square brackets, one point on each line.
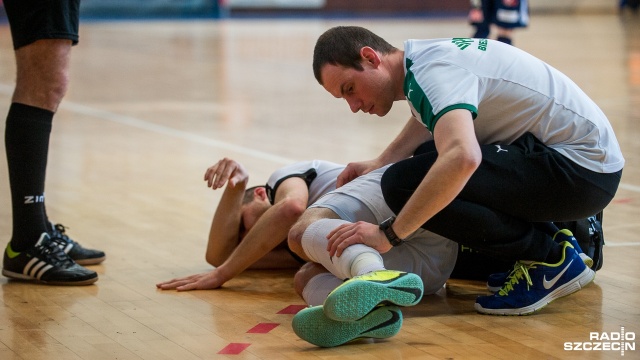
[59, 236]
[520, 272]
[53, 254]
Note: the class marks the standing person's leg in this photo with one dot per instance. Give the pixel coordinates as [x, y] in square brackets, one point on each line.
[510, 16]
[480, 18]
[43, 33]
[40, 85]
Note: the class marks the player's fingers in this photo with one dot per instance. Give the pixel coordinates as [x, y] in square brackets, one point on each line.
[341, 242]
[221, 175]
[168, 281]
[228, 173]
[335, 234]
[187, 287]
[173, 284]
[210, 173]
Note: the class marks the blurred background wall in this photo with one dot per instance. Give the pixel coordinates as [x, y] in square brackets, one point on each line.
[330, 8]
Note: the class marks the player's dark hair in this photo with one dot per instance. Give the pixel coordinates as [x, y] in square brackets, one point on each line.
[341, 46]
[249, 194]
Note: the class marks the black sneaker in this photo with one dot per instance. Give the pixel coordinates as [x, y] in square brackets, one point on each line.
[45, 263]
[596, 241]
[75, 251]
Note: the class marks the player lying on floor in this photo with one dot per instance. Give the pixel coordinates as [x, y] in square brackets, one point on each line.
[250, 226]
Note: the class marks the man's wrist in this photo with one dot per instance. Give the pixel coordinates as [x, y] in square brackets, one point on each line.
[387, 228]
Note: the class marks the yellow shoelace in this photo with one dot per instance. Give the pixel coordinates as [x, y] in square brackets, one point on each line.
[520, 271]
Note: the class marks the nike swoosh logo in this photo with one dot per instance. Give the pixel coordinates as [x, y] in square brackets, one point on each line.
[395, 317]
[549, 284]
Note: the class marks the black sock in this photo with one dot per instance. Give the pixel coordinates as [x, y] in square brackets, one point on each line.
[547, 227]
[504, 39]
[27, 144]
[555, 254]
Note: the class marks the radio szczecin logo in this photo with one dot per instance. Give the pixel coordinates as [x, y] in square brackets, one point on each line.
[605, 341]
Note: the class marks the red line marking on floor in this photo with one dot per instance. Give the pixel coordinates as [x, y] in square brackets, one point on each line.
[234, 348]
[263, 328]
[622, 201]
[292, 309]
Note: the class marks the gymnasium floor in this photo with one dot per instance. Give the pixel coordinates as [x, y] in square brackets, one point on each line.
[153, 104]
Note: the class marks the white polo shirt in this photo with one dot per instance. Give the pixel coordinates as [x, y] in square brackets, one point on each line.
[509, 93]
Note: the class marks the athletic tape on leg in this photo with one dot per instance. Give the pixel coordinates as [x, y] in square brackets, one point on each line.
[314, 242]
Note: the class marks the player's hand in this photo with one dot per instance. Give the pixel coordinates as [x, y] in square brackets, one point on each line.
[355, 169]
[225, 170]
[204, 281]
[357, 233]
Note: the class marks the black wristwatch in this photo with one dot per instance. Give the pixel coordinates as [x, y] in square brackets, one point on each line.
[385, 226]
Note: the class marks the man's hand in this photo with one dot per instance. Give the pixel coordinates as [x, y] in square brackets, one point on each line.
[204, 281]
[355, 169]
[225, 170]
[357, 233]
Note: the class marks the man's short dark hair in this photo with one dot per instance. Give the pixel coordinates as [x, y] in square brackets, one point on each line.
[341, 46]
[249, 195]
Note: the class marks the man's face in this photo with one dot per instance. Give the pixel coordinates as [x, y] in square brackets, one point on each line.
[250, 213]
[369, 91]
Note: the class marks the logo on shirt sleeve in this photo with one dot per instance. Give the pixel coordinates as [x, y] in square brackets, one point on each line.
[464, 43]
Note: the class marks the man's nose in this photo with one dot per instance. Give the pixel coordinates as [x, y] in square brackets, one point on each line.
[354, 105]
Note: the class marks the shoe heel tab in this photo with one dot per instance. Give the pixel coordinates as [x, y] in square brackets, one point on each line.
[9, 251]
[565, 232]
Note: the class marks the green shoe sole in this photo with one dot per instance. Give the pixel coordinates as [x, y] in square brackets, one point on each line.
[358, 296]
[313, 326]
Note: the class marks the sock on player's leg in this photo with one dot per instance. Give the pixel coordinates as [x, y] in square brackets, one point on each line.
[318, 287]
[27, 134]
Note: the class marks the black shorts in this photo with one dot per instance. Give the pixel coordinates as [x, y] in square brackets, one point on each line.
[33, 20]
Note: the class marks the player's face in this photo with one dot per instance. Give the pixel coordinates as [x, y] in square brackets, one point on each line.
[250, 213]
[369, 91]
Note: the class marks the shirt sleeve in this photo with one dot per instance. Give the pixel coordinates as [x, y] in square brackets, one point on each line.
[304, 169]
[439, 87]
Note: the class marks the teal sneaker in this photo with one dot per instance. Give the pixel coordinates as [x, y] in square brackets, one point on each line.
[356, 297]
[313, 326]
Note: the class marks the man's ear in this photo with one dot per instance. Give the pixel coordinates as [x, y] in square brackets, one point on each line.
[260, 192]
[370, 56]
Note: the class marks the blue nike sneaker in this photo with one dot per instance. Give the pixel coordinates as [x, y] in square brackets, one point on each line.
[566, 235]
[530, 286]
[495, 281]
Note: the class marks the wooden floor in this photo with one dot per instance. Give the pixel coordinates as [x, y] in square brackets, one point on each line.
[152, 104]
